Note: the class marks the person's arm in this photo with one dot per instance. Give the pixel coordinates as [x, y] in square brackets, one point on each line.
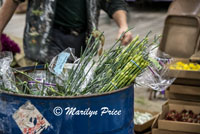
[120, 18]
[6, 12]
[117, 9]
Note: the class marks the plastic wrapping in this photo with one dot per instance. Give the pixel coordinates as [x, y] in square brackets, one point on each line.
[141, 118]
[57, 64]
[7, 79]
[42, 81]
[155, 76]
[64, 62]
[87, 74]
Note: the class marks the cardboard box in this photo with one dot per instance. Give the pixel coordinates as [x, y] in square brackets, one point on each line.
[195, 57]
[181, 102]
[183, 92]
[183, 74]
[187, 90]
[146, 125]
[187, 82]
[155, 129]
[176, 125]
[180, 36]
[159, 131]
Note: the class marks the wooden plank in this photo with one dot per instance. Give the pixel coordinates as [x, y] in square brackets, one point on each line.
[183, 89]
[195, 57]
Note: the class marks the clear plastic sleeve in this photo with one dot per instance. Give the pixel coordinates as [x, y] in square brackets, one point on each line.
[87, 74]
[42, 80]
[155, 76]
[58, 63]
[6, 73]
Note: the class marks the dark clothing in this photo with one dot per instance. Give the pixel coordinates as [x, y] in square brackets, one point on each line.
[40, 21]
[111, 6]
[71, 13]
[94, 7]
[18, 1]
[63, 40]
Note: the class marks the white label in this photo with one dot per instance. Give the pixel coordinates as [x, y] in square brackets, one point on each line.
[30, 120]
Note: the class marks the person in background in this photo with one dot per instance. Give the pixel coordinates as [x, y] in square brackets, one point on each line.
[72, 20]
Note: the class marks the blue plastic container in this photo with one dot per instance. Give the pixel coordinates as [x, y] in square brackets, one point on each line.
[108, 113]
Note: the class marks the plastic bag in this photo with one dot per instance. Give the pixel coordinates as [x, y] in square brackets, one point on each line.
[7, 79]
[42, 81]
[155, 76]
[89, 73]
[141, 118]
[86, 76]
[58, 62]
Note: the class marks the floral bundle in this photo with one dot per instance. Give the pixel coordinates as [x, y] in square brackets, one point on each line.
[9, 45]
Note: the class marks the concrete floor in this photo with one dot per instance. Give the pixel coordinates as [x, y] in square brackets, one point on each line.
[143, 19]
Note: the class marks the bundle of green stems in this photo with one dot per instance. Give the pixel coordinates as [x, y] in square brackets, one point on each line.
[114, 69]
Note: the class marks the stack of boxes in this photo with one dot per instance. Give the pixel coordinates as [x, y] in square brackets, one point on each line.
[181, 41]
